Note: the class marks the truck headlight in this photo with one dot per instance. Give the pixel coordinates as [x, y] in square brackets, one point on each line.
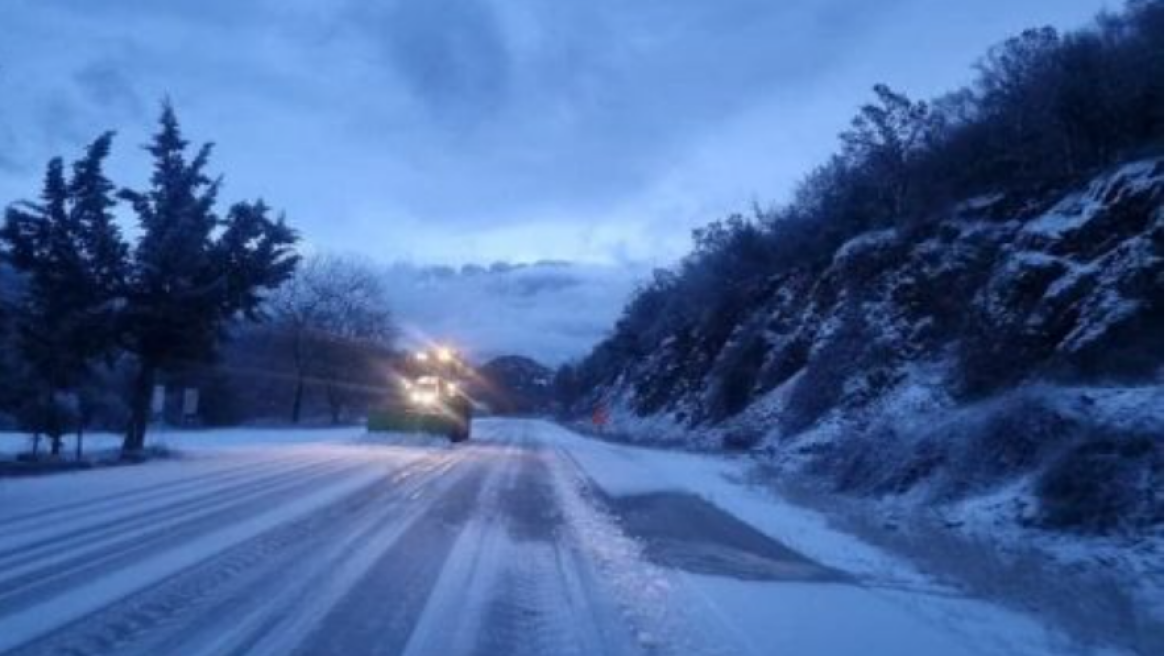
[422, 398]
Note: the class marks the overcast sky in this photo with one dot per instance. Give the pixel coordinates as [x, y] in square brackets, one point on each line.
[453, 131]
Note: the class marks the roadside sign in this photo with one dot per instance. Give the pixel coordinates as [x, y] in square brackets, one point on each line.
[158, 400]
[190, 406]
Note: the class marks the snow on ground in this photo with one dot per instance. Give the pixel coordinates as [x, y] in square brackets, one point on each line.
[191, 439]
[893, 609]
[34, 619]
[1077, 210]
[624, 470]
[529, 539]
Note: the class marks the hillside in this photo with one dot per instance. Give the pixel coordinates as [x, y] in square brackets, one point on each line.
[513, 385]
[959, 314]
[951, 340]
[1009, 338]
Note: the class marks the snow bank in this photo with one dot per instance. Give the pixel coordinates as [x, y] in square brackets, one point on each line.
[192, 439]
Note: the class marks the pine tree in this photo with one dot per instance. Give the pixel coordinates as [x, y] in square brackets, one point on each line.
[73, 257]
[104, 257]
[192, 271]
[100, 242]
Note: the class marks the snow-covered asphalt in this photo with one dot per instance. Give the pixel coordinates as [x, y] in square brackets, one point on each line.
[527, 540]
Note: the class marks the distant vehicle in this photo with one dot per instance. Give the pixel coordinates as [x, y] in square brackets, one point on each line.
[430, 397]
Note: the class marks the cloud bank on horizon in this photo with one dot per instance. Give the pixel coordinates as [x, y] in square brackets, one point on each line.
[549, 311]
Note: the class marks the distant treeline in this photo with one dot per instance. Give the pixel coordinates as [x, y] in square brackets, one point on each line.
[1044, 111]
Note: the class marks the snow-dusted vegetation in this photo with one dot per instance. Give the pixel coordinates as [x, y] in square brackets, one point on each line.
[959, 316]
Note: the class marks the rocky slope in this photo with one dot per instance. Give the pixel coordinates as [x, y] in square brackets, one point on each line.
[1013, 340]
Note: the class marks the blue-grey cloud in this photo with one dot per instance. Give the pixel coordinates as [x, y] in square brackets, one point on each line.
[550, 311]
[578, 104]
[484, 129]
[105, 84]
[451, 53]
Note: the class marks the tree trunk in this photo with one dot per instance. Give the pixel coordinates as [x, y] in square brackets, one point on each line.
[335, 404]
[298, 398]
[80, 434]
[54, 417]
[143, 390]
[298, 358]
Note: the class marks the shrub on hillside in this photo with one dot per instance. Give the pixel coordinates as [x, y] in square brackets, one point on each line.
[735, 376]
[1107, 482]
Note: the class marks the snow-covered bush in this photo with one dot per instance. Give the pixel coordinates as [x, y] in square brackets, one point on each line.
[1107, 482]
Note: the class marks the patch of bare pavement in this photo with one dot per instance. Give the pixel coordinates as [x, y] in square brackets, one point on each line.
[504, 545]
[683, 530]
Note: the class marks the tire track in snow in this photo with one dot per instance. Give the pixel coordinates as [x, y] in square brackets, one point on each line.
[62, 535]
[538, 603]
[513, 589]
[27, 623]
[301, 605]
[378, 615]
[31, 550]
[44, 577]
[538, 607]
[173, 615]
[453, 608]
[142, 493]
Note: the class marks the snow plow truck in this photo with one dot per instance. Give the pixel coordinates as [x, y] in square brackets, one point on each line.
[430, 397]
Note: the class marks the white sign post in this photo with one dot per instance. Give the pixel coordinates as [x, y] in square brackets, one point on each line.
[190, 406]
[158, 401]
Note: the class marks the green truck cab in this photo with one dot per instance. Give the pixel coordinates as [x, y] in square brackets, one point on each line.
[428, 397]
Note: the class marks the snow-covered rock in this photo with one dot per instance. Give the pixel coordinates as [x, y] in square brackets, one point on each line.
[935, 359]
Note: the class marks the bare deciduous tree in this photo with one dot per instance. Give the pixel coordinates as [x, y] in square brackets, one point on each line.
[335, 319]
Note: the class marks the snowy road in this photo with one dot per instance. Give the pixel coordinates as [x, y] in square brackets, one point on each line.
[528, 540]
